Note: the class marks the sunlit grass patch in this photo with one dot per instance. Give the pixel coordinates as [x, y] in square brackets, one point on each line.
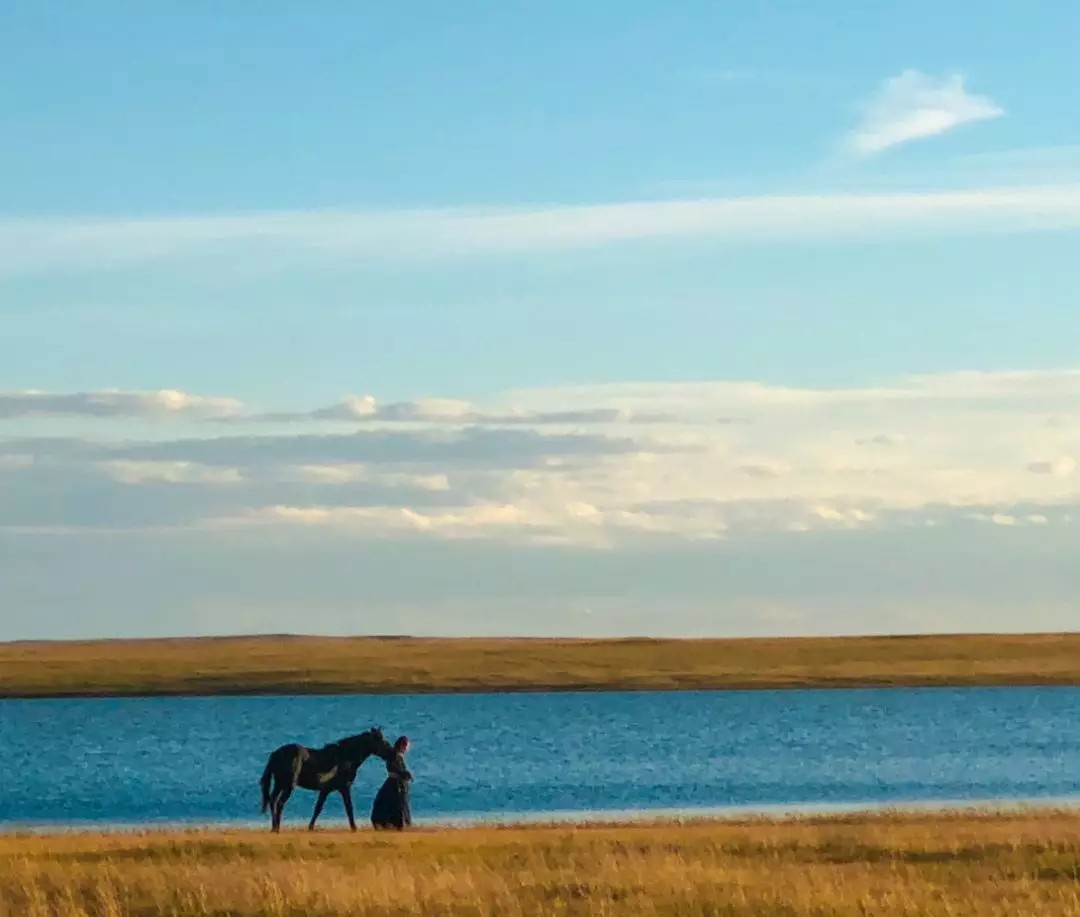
[951, 863]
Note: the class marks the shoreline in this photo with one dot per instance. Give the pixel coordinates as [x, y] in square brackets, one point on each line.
[286, 665]
[408, 690]
[766, 813]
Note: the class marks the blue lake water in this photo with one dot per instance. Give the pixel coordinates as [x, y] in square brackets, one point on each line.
[198, 760]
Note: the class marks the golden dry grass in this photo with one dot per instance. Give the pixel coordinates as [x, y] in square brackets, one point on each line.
[987, 864]
[295, 665]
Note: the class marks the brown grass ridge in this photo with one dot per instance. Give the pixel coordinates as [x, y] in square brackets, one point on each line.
[309, 665]
[986, 864]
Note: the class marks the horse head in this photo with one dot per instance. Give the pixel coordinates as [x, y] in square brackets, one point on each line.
[382, 747]
[364, 744]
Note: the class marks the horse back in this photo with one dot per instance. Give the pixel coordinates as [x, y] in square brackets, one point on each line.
[309, 768]
[289, 758]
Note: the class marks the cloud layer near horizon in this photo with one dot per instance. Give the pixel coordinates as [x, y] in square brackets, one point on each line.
[591, 467]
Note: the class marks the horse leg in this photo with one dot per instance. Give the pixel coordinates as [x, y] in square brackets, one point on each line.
[279, 807]
[346, 796]
[271, 800]
[319, 803]
[287, 784]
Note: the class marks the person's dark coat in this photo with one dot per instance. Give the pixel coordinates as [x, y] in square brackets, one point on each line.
[391, 806]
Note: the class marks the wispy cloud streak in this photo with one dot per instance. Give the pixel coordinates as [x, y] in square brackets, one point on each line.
[914, 106]
[114, 403]
[372, 237]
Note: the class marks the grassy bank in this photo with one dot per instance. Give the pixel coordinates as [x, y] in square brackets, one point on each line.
[982, 864]
[280, 665]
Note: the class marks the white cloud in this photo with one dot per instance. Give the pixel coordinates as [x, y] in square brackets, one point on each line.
[1003, 519]
[1003, 390]
[482, 520]
[359, 408]
[352, 407]
[166, 472]
[358, 473]
[532, 522]
[851, 517]
[432, 409]
[373, 237]
[365, 407]
[965, 445]
[115, 403]
[913, 106]
[454, 411]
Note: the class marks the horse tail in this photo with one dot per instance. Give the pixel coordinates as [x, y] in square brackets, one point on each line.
[264, 783]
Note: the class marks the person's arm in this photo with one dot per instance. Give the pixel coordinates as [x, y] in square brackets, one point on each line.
[397, 767]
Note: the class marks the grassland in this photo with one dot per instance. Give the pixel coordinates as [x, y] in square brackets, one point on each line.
[308, 665]
[987, 864]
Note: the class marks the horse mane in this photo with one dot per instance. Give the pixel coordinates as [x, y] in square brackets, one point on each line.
[373, 733]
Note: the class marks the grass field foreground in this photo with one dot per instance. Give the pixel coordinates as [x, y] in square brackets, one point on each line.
[302, 665]
[987, 864]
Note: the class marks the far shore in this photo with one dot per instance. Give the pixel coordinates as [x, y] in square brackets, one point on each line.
[295, 665]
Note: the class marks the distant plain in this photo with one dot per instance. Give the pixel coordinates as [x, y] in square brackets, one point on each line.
[379, 665]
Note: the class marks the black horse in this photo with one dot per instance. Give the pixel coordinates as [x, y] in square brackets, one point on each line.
[325, 770]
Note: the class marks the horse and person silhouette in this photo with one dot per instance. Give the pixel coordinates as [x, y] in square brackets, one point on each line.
[325, 770]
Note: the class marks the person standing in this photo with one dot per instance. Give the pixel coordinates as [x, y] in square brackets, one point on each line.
[391, 806]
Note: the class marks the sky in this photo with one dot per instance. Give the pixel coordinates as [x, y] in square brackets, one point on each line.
[579, 319]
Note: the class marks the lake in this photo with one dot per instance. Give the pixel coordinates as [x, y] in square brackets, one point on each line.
[148, 761]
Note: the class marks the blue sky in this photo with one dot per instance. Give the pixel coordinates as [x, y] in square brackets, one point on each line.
[694, 288]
